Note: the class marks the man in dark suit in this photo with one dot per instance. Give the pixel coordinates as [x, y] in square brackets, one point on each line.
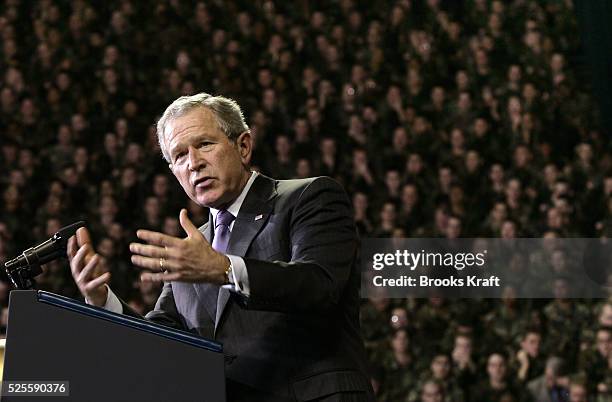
[272, 274]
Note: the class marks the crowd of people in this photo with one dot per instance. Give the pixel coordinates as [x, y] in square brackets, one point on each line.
[449, 119]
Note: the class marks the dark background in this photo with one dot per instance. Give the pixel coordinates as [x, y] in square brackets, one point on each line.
[441, 119]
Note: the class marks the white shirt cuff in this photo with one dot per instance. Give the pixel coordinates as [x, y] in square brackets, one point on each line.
[240, 276]
[112, 302]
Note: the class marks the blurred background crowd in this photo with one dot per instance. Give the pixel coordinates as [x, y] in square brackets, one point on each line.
[441, 119]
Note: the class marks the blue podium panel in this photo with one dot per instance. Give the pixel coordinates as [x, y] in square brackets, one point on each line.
[102, 356]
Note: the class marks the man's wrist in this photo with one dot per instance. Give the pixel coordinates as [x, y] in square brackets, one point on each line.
[98, 300]
[228, 270]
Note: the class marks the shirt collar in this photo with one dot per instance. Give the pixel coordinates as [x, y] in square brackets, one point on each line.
[235, 207]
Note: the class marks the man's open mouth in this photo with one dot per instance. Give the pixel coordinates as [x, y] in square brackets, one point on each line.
[202, 182]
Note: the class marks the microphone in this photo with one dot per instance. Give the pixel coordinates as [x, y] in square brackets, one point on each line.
[27, 265]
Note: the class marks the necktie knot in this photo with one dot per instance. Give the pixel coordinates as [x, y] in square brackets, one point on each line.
[225, 218]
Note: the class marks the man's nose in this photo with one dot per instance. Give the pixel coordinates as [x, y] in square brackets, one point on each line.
[196, 162]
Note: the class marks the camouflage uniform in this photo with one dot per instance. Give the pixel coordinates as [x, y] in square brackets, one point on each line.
[503, 326]
[398, 381]
[452, 391]
[433, 322]
[596, 370]
[483, 392]
[564, 326]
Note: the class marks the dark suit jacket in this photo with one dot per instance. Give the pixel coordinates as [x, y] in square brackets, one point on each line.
[297, 335]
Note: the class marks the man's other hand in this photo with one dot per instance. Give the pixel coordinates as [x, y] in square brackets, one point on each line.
[83, 263]
[191, 259]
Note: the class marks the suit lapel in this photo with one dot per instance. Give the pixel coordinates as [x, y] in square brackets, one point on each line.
[253, 215]
[206, 291]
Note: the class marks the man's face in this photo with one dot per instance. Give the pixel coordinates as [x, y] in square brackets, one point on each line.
[210, 167]
[499, 211]
[496, 367]
[605, 317]
[604, 343]
[440, 367]
[531, 344]
[463, 346]
[409, 195]
[431, 393]
[578, 393]
[453, 229]
[399, 342]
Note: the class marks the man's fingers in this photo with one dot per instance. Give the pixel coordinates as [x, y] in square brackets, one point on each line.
[187, 225]
[88, 269]
[71, 249]
[150, 251]
[159, 276]
[97, 282]
[76, 265]
[154, 263]
[157, 238]
[83, 237]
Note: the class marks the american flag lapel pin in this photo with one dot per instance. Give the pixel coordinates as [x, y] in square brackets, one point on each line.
[258, 217]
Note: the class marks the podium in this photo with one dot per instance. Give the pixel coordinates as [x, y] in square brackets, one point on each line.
[102, 356]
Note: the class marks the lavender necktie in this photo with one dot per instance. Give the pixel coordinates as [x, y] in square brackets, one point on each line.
[222, 230]
[220, 241]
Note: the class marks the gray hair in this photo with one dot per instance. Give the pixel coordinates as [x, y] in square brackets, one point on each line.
[555, 364]
[226, 111]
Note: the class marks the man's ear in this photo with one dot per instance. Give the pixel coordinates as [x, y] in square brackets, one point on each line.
[244, 142]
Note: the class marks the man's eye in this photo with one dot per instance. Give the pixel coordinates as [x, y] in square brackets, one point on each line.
[204, 144]
[179, 156]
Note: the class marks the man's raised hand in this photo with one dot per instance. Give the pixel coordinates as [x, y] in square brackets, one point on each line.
[189, 259]
[83, 262]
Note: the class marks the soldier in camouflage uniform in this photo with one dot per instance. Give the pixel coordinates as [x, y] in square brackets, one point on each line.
[398, 369]
[464, 363]
[578, 392]
[433, 318]
[431, 391]
[375, 329]
[529, 362]
[603, 312]
[565, 320]
[499, 384]
[595, 362]
[440, 370]
[504, 324]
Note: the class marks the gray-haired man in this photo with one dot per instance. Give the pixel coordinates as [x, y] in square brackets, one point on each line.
[272, 274]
